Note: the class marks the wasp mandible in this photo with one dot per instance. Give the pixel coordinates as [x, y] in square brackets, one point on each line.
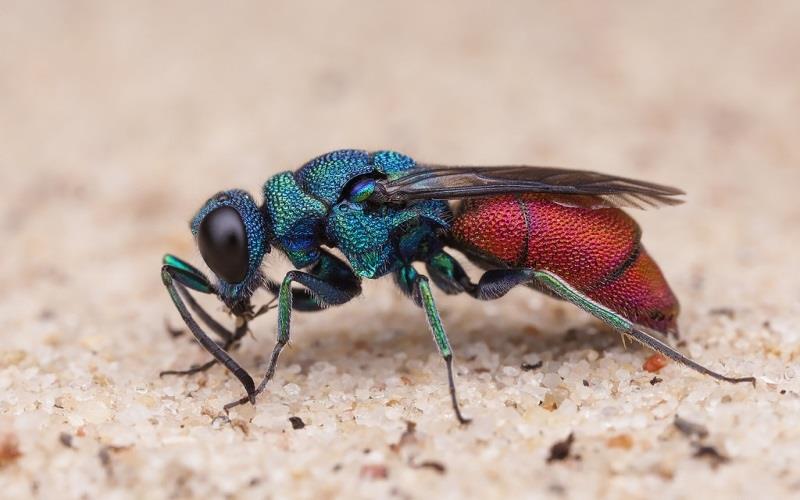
[558, 231]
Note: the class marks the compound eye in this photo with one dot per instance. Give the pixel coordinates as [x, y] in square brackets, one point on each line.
[222, 239]
[361, 190]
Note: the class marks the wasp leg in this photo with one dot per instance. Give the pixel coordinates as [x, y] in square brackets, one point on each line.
[191, 278]
[301, 299]
[331, 282]
[223, 333]
[419, 288]
[642, 334]
[190, 371]
[447, 273]
[206, 318]
[241, 330]
[229, 338]
[496, 283]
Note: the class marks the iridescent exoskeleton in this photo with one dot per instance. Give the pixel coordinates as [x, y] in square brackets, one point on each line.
[556, 230]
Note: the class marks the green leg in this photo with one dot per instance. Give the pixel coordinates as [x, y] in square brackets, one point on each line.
[284, 316]
[447, 274]
[439, 336]
[418, 288]
[637, 332]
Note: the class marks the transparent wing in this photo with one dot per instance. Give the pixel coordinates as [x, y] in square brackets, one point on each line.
[449, 183]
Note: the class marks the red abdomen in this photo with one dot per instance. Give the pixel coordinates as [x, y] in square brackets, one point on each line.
[596, 250]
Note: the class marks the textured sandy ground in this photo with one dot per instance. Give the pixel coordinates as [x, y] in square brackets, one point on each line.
[117, 120]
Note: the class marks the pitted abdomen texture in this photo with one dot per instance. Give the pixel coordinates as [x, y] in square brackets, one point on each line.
[596, 250]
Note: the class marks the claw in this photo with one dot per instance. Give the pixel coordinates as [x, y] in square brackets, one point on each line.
[251, 398]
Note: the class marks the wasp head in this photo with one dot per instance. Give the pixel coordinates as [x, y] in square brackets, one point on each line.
[231, 234]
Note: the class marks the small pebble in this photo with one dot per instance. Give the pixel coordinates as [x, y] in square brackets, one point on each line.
[561, 449]
[374, 472]
[655, 363]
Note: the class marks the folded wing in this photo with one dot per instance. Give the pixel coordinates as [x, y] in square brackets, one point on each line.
[451, 183]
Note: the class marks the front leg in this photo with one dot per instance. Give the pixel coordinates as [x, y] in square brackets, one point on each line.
[176, 274]
[330, 282]
[229, 339]
[418, 288]
[229, 342]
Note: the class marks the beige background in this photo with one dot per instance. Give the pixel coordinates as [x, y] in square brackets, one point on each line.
[118, 119]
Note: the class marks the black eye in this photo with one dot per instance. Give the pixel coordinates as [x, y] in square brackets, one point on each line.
[223, 244]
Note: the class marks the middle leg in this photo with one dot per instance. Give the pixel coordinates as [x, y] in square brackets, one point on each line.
[418, 288]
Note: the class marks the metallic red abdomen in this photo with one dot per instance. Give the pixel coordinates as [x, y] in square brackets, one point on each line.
[597, 251]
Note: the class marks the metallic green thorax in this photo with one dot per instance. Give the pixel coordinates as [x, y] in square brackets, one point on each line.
[296, 218]
[313, 207]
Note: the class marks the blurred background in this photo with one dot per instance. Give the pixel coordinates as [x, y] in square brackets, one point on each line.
[118, 119]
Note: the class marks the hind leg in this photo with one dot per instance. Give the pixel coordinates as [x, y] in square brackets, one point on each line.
[496, 283]
[637, 332]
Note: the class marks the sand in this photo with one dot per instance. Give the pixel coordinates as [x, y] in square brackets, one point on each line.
[117, 120]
